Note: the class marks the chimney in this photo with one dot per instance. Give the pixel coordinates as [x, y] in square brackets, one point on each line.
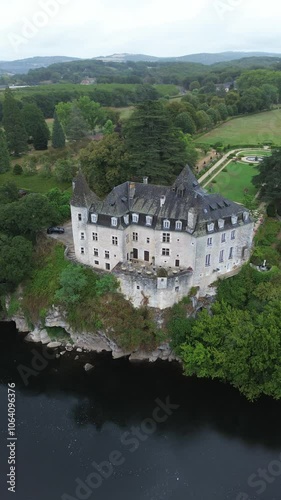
[162, 200]
[145, 180]
[132, 190]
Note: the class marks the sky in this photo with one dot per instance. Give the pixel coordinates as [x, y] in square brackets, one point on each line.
[91, 28]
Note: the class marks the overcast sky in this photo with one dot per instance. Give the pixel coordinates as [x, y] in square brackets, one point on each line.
[90, 28]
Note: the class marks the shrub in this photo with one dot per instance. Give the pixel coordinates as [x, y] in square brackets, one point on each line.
[271, 210]
[17, 170]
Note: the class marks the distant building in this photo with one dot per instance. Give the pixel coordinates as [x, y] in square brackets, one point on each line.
[88, 81]
[160, 241]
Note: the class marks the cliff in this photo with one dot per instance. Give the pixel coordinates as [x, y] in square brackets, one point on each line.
[82, 340]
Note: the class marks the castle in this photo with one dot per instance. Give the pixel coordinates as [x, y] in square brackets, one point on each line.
[160, 241]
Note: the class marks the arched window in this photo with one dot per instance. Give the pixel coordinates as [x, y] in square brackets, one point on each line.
[178, 225]
[166, 224]
[114, 221]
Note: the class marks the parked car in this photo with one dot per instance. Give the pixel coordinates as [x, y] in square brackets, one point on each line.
[55, 229]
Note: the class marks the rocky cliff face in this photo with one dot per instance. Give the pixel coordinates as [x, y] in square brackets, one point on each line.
[85, 341]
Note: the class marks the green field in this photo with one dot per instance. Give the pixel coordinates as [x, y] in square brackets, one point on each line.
[253, 129]
[235, 182]
[34, 183]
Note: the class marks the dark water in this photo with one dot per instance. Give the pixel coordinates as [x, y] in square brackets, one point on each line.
[206, 449]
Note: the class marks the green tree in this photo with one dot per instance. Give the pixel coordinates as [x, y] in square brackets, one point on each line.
[269, 178]
[65, 170]
[15, 260]
[108, 127]
[5, 162]
[92, 112]
[58, 137]
[72, 282]
[156, 147]
[76, 127]
[13, 124]
[105, 163]
[185, 123]
[8, 192]
[36, 126]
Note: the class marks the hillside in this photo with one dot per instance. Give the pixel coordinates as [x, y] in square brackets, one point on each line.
[203, 58]
[24, 65]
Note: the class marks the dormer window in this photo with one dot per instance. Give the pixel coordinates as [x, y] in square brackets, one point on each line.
[126, 219]
[135, 218]
[114, 221]
[221, 223]
[245, 216]
[210, 227]
[148, 220]
[178, 225]
[234, 219]
[166, 224]
[94, 218]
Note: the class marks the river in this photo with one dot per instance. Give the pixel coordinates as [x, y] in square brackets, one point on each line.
[168, 436]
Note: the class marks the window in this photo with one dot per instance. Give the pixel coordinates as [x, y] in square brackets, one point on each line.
[223, 238]
[165, 251]
[166, 224]
[94, 218]
[231, 253]
[209, 242]
[245, 216]
[82, 250]
[107, 266]
[95, 236]
[79, 217]
[221, 256]
[234, 219]
[127, 238]
[177, 289]
[135, 236]
[96, 252]
[82, 236]
[221, 223]
[178, 225]
[210, 227]
[135, 218]
[177, 263]
[106, 254]
[114, 240]
[233, 235]
[208, 260]
[147, 240]
[97, 263]
[114, 221]
[166, 237]
[126, 219]
[148, 220]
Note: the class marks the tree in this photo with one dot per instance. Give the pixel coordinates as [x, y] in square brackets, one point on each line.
[15, 260]
[36, 126]
[72, 282]
[92, 112]
[108, 127]
[5, 162]
[269, 178]
[76, 127]
[58, 137]
[185, 123]
[156, 147]
[27, 216]
[105, 163]
[17, 170]
[8, 192]
[65, 170]
[203, 120]
[13, 124]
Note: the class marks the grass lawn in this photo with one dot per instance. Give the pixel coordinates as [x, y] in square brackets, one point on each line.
[253, 129]
[34, 183]
[232, 184]
[257, 152]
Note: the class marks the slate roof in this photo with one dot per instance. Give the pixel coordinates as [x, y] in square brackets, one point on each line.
[144, 199]
[82, 196]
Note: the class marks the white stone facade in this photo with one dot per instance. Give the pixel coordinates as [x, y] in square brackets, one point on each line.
[192, 248]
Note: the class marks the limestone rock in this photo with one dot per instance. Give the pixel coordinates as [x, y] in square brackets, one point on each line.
[54, 345]
[88, 367]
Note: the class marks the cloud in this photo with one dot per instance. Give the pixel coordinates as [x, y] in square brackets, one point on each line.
[90, 28]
